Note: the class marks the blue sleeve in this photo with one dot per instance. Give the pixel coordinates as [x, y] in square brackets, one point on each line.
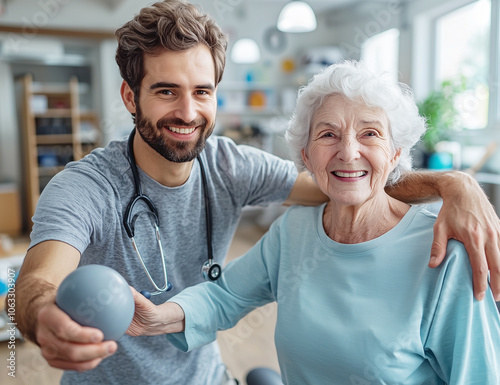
[246, 283]
[463, 340]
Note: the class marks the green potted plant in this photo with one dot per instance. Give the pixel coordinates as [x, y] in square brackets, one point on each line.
[442, 116]
[441, 113]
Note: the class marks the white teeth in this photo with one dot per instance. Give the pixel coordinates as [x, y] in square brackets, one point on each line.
[356, 174]
[178, 130]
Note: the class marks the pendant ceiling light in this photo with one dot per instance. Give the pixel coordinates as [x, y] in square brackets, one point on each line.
[245, 51]
[297, 16]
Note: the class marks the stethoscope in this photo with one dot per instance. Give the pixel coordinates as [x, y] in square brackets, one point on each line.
[210, 270]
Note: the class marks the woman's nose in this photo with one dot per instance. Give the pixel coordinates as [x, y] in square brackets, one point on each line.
[349, 149]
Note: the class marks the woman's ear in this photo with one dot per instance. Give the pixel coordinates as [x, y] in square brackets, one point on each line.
[128, 97]
[305, 158]
[395, 159]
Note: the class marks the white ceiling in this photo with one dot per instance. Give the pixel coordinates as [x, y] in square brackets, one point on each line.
[317, 5]
[110, 14]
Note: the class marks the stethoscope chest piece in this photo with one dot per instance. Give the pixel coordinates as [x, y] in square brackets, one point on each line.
[211, 271]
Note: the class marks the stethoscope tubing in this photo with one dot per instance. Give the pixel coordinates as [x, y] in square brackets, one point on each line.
[128, 223]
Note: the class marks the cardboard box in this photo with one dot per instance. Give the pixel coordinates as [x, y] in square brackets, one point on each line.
[10, 210]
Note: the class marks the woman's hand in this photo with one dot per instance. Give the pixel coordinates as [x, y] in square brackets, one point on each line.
[150, 319]
[468, 217]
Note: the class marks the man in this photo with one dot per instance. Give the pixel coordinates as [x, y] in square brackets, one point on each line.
[171, 58]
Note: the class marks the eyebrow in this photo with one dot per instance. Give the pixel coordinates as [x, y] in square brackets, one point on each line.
[372, 122]
[175, 85]
[323, 123]
[335, 126]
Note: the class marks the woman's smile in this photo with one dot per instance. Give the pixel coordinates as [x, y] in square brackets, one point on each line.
[349, 176]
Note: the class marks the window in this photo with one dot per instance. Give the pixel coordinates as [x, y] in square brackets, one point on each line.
[463, 59]
[380, 52]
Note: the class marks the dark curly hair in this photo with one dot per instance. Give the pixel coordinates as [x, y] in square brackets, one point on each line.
[171, 25]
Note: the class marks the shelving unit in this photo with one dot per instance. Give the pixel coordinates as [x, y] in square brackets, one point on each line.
[250, 98]
[260, 122]
[51, 134]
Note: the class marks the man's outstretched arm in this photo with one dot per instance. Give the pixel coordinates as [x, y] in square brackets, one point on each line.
[63, 343]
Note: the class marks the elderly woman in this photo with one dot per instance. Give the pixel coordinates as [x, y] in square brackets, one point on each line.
[357, 303]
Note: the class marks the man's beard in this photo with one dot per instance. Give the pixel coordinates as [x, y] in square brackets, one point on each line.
[175, 151]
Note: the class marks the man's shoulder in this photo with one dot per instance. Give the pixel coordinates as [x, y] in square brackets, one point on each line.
[110, 160]
[225, 153]
[103, 169]
[227, 145]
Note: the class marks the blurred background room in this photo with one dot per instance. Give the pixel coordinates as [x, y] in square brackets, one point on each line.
[59, 99]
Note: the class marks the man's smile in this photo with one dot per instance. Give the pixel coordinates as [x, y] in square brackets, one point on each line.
[183, 131]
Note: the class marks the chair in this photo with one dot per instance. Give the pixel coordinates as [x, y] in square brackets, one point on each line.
[263, 376]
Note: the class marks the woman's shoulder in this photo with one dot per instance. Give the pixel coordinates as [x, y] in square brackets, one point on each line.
[420, 219]
[298, 217]
[298, 212]
[456, 253]
[427, 212]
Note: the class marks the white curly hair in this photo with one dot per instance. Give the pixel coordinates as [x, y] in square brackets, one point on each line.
[355, 82]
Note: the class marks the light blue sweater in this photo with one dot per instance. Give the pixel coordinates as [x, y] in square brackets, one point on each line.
[356, 314]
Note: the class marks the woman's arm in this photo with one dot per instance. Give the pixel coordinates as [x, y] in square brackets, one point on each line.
[192, 317]
[466, 215]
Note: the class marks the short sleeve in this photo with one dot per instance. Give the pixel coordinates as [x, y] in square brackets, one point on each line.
[253, 176]
[73, 208]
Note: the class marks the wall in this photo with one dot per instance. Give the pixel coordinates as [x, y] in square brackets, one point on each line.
[116, 121]
[346, 28]
[10, 160]
[91, 15]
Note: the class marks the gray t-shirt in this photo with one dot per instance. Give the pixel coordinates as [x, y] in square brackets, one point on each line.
[84, 207]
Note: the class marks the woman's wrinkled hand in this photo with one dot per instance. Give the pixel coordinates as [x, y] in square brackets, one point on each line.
[150, 319]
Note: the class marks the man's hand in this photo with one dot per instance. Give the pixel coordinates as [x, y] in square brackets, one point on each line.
[468, 217]
[150, 319]
[67, 345]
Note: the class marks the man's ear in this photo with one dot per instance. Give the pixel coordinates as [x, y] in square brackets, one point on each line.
[128, 97]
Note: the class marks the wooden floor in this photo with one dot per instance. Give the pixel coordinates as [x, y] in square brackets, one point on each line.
[248, 345]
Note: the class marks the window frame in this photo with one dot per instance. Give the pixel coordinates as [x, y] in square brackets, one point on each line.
[425, 59]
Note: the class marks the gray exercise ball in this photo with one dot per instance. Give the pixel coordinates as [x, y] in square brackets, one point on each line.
[99, 297]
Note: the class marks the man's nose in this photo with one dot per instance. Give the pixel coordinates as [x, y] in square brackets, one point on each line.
[185, 109]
